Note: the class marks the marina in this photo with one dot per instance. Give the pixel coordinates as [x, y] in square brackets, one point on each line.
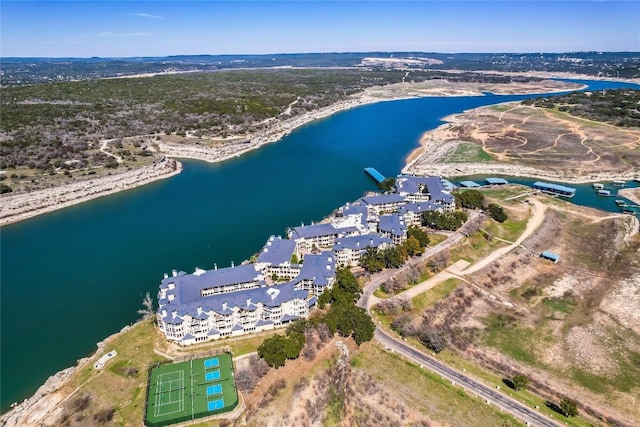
[469, 184]
[552, 188]
[40, 336]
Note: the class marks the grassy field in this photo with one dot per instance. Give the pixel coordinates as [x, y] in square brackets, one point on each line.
[427, 392]
[468, 153]
[120, 388]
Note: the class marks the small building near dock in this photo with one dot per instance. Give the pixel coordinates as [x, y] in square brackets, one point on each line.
[550, 256]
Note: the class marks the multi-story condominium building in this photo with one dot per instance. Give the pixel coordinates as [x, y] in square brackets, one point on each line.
[187, 318]
[383, 203]
[320, 236]
[231, 301]
[275, 258]
[317, 274]
[412, 212]
[417, 189]
[350, 249]
[355, 214]
[393, 227]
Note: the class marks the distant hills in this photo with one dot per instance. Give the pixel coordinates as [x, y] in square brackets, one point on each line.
[20, 71]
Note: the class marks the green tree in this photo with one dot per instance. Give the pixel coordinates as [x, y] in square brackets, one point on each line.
[418, 233]
[293, 345]
[388, 184]
[273, 351]
[497, 212]
[470, 199]
[372, 261]
[393, 257]
[294, 259]
[412, 246]
[350, 320]
[520, 382]
[569, 407]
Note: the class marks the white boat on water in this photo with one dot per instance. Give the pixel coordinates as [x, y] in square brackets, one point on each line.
[617, 182]
[604, 193]
[598, 186]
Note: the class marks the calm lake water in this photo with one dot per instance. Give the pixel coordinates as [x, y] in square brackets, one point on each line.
[72, 277]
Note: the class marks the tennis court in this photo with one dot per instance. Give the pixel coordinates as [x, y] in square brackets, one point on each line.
[216, 404]
[211, 363]
[213, 390]
[212, 376]
[189, 390]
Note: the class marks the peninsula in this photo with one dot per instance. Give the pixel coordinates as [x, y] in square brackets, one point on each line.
[32, 193]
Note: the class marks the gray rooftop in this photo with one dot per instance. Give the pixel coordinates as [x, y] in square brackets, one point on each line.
[319, 268]
[277, 251]
[311, 231]
[433, 185]
[381, 199]
[247, 299]
[364, 241]
[392, 224]
[188, 286]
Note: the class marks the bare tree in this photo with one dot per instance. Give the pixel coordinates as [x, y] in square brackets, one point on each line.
[147, 304]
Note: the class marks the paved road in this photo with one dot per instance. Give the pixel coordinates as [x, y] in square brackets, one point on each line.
[490, 395]
[519, 410]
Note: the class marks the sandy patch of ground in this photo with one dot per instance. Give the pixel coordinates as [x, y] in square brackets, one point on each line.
[530, 141]
[623, 303]
[632, 194]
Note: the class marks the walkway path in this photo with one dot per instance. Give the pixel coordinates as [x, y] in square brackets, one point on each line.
[459, 269]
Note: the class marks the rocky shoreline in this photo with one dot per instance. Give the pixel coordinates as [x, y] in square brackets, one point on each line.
[16, 207]
[36, 409]
[438, 143]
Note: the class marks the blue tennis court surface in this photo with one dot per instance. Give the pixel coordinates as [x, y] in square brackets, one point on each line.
[214, 389]
[211, 363]
[212, 376]
[215, 404]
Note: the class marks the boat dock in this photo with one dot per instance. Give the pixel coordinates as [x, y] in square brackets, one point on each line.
[470, 184]
[548, 187]
[377, 176]
[496, 181]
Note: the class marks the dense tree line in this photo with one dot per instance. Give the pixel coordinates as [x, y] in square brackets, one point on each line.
[616, 106]
[444, 220]
[45, 125]
[342, 317]
[375, 260]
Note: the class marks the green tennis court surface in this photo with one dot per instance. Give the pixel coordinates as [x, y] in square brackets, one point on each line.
[185, 391]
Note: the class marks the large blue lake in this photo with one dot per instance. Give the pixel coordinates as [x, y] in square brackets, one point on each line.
[77, 275]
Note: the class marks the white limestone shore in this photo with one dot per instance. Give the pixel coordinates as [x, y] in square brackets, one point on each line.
[38, 408]
[16, 207]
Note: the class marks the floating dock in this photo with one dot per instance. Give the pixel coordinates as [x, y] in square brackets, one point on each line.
[375, 174]
[549, 187]
[496, 181]
[470, 184]
[448, 184]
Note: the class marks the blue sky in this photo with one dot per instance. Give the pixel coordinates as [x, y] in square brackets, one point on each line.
[159, 28]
